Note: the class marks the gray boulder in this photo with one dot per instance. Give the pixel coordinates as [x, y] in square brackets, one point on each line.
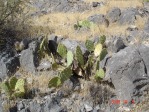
[128, 16]
[9, 62]
[99, 19]
[128, 71]
[113, 15]
[115, 44]
[29, 58]
[72, 44]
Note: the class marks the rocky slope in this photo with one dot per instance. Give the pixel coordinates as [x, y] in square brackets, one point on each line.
[125, 85]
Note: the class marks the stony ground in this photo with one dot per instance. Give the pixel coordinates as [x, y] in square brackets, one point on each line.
[125, 86]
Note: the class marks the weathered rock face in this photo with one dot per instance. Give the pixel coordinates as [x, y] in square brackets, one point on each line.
[114, 14]
[29, 58]
[128, 16]
[146, 27]
[115, 44]
[99, 19]
[128, 71]
[9, 62]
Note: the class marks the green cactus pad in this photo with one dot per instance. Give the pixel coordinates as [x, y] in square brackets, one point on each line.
[89, 45]
[65, 74]
[98, 49]
[62, 50]
[100, 74]
[69, 58]
[19, 88]
[54, 82]
[85, 23]
[79, 56]
[5, 88]
[102, 39]
[12, 82]
[103, 54]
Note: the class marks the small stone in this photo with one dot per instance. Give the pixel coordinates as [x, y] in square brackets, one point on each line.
[95, 4]
[88, 107]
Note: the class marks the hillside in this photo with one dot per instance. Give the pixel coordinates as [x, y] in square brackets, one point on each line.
[74, 56]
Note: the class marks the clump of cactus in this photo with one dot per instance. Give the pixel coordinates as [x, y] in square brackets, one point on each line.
[13, 87]
[81, 64]
[85, 24]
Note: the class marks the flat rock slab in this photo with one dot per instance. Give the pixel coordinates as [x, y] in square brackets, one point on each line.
[128, 70]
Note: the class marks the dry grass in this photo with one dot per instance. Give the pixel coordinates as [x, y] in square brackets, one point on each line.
[39, 80]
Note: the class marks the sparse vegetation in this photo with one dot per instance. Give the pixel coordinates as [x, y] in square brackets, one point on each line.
[13, 87]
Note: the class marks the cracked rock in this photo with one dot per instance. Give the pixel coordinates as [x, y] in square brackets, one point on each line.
[128, 71]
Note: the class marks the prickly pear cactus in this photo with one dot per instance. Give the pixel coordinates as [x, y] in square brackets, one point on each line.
[79, 56]
[85, 23]
[100, 74]
[19, 88]
[89, 45]
[102, 39]
[98, 49]
[12, 82]
[103, 54]
[65, 74]
[62, 50]
[5, 88]
[69, 58]
[54, 82]
[43, 48]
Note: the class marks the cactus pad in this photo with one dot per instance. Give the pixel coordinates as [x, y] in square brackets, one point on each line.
[98, 49]
[54, 82]
[100, 74]
[62, 50]
[79, 56]
[89, 45]
[69, 58]
[19, 88]
[103, 54]
[12, 82]
[5, 88]
[65, 74]
[102, 39]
